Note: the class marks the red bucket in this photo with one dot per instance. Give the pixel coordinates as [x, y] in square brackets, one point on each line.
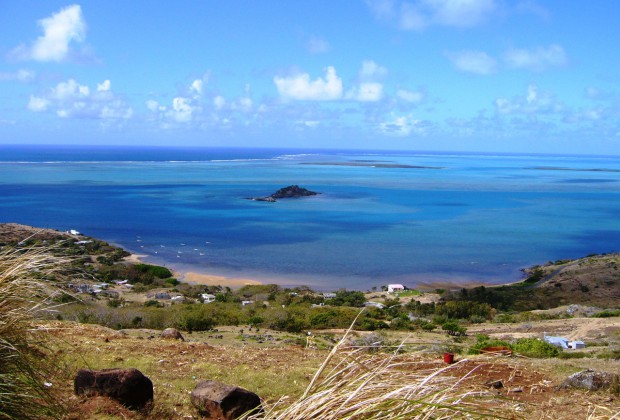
[448, 358]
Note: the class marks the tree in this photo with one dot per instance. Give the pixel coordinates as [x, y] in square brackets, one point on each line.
[454, 329]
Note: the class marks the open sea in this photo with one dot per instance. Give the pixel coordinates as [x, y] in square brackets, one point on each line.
[381, 217]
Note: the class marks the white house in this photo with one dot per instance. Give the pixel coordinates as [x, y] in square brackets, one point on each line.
[246, 302]
[74, 232]
[576, 344]
[375, 304]
[207, 298]
[393, 288]
[329, 295]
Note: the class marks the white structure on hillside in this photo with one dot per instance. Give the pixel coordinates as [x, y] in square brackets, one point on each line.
[207, 298]
[393, 288]
[576, 344]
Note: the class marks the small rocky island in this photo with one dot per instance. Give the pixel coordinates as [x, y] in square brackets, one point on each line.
[292, 191]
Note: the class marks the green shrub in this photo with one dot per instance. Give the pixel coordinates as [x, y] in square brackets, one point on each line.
[573, 355]
[454, 329]
[533, 347]
[609, 354]
[607, 314]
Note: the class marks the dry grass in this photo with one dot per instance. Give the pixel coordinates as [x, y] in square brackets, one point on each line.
[25, 293]
[351, 384]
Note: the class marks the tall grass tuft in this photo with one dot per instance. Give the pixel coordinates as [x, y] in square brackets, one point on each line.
[26, 291]
[353, 384]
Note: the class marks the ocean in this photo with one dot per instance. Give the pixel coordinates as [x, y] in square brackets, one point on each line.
[382, 217]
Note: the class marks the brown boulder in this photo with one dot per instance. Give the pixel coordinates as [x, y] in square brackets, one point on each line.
[127, 386]
[216, 400]
[171, 334]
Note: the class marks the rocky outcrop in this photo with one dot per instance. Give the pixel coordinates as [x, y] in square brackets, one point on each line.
[216, 400]
[127, 386]
[292, 191]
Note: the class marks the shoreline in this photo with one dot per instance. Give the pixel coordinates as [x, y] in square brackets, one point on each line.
[194, 277]
[191, 275]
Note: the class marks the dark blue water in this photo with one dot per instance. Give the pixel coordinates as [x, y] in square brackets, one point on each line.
[382, 217]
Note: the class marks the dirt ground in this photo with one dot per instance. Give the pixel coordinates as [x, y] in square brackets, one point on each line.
[510, 387]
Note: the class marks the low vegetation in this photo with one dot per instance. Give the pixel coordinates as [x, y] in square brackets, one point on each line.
[366, 375]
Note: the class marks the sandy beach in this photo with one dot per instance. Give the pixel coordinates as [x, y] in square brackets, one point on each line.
[199, 278]
[212, 280]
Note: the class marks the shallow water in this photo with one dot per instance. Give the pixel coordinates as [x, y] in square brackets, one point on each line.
[381, 217]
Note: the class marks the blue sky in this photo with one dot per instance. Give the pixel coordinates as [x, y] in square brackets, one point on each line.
[461, 75]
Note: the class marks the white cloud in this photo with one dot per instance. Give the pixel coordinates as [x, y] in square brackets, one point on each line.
[196, 86]
[59, 30]
[401, 126]
[181, 110]
[318, 45]
[420, 14]
[366, 92]
[72, 100]
[476, 62]
[152, 105]
[37, 104]
[536, 59]
[532, 102]
[460, 13]
[219, 102]
[371, 70]
[22, 75]
[300, 87]
[104, 87]
[409, 96]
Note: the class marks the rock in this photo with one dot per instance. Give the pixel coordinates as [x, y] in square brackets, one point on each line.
[171, 334]
[127, 386]
[591, 380]
[216, 400]
[292, 191]
[494, 384]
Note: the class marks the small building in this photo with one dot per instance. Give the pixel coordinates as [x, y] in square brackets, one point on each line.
[246, 302]
[74, 232]
[329, 295]
[393, 288]
[557, 341]
[374, 305]
[207, 298]
[178, 298]
[120, 282]
[576, 344]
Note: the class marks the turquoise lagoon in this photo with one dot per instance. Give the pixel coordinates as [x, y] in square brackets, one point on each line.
[381, 217]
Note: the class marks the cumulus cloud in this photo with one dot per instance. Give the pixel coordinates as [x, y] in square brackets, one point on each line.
[420, 14]
[23, 76]
[536, 59]
[300, 87]
[476, 62]
[59, 30]
[72, 100]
